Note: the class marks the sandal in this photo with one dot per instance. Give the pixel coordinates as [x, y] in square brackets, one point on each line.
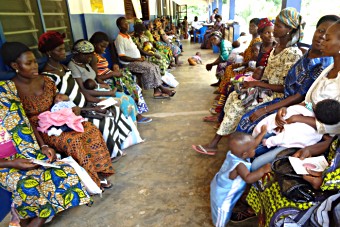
[105, 184]
[161, 96]
[200, 149]
[144, 120]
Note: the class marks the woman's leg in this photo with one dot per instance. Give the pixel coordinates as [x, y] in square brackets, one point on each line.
[265, 158]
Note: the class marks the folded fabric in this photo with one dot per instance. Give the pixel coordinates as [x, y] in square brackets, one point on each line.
[59, 118]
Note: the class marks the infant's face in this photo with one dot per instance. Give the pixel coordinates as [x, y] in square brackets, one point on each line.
[61, 98]
[198, 54]
[115, 67]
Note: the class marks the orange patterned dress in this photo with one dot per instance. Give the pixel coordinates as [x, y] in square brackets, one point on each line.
[87, 148]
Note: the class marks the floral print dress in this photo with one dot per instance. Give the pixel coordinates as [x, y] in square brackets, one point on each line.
[41, 192]
[275, 72]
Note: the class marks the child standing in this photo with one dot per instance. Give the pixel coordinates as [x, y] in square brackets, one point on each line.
[229, 183]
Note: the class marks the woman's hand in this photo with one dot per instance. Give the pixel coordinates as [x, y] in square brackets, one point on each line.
[279, 121]
[50, 153]
[76, 110]
[257, 114]
[208, 67]
[99, 109]
[293, 119]
[302, 153]
[141, 59]
[314, 178]
[24, 164]
[249, 84]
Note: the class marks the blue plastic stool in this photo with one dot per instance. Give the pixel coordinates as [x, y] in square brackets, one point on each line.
[216, 49]
[202, 33]
[5, 203]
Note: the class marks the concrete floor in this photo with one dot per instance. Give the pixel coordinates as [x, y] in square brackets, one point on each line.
[163, 182]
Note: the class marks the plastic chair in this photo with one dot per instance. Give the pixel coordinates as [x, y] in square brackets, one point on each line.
[202, 33]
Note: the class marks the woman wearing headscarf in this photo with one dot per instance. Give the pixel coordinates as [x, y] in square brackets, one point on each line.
[37, 95]
[82, 71]
[282, 57]
[218, 26]
[298, 80]
[260, 52]
[114, 129]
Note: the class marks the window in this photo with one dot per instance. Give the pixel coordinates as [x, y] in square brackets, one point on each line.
[25, 20]
[142, 5]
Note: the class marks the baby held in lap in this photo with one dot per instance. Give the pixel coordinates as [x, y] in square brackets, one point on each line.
[61, 118]
[300, 134]
[90, 84]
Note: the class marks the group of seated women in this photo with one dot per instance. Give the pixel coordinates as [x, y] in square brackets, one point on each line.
[294, 103]
[58, 109]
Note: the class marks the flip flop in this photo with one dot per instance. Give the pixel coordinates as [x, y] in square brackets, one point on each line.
[200, 149]
[161, 96]
[144, 120]
[105, 184]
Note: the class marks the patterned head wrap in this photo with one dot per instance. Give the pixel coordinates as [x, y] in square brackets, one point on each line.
[292, 18]
[11, 51]
[264, 22]
[83, 47]
[217, 34]
[50, 40]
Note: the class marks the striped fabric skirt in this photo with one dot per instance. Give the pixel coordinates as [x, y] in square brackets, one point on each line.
[115, 129]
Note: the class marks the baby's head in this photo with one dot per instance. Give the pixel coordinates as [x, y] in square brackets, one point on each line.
[90, 84]
[198, 54]
[257, 75]
[115, 68]
[327, 111]
[236, 44]
[255, 50]
[61, 98]
[242, 145]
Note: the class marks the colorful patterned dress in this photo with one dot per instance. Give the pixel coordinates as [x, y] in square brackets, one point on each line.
[41, 192]
[87, 148]
[275, 72]
[298, 81]
[125, 84]
[114, 129]
[163, 62]
[268, 200]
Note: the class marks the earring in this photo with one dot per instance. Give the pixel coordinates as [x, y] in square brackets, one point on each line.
[287, 33]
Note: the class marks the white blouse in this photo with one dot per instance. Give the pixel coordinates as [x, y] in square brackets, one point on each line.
[325, 88]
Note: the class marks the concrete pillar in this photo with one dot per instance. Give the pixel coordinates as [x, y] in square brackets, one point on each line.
[292, 3]
[232, 10]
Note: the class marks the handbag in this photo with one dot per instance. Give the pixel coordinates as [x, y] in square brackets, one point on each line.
[292, 185]
[94, 114]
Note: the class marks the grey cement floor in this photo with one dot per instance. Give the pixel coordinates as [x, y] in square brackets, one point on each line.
[163, 182]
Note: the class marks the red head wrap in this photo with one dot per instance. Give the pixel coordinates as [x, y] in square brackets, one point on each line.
[264, 22]
[50, 40]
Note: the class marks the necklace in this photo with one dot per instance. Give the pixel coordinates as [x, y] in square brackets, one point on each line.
[57, 68]
[80, 64]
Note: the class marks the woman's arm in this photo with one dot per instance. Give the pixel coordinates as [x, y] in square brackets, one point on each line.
[291, 100]
[45, 149]
[273, 87]
[18, 163]
[216, 62]
[311, 121]
[90, 94]
[129, 59]
[313, 150]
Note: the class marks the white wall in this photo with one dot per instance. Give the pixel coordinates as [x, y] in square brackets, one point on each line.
[153, 7]
[84, 6]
